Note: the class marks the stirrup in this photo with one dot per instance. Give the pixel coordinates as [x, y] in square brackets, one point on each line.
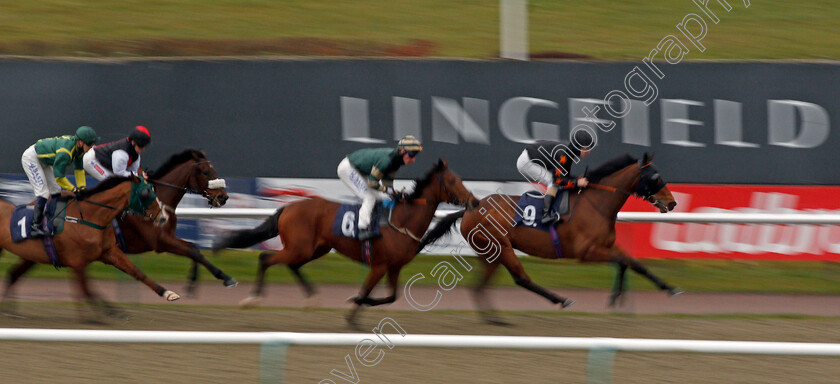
[36, 231]
[549, 219]
[366, 234]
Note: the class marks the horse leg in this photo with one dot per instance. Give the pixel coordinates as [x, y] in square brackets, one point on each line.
[640, 269]
[118, 259]
[373, 277]
[618, 289]
[514, 266]
[9, 307]
[485, 307]
[192, 278]
[97, 303]
[167, 242]
[393, 280]
[287, 256]
[308, 288]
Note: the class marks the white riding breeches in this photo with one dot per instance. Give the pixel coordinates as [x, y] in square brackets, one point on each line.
[533, 170]
[358, 184]
[41, 176]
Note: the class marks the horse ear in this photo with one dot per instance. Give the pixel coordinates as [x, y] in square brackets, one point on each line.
[442, 163]
[645, 159]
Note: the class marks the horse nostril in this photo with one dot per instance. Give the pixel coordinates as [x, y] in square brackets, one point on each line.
[672, 205]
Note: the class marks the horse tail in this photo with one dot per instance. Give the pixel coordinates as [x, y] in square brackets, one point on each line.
[444, 226]
[247, 237]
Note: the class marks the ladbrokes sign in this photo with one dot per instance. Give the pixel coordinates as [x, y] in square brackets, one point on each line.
[736, 241]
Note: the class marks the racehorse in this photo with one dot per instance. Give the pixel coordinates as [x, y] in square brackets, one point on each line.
[185, 171]
[306, 230]
[84, 239]
[586, 233]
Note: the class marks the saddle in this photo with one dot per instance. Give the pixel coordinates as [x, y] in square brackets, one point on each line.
[530, 209]
[54, 212]
[21, 220]
[346, 222]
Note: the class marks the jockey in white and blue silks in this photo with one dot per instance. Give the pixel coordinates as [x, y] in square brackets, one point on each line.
[370, 173]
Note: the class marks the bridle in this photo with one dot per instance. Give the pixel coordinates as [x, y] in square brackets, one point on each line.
[452, 200]
[211, 184]
[642, 190]
[126, 211]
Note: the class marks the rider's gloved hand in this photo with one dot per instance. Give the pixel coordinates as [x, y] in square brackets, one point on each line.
[78, 193]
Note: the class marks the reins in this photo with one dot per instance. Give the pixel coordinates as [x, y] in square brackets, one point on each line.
[423, 201]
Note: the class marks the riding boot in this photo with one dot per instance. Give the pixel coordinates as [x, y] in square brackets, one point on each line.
[547, 217]
[38, 218]
[366, 234]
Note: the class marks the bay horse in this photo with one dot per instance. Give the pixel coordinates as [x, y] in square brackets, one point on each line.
[306, 230]
[84, 239]
[586, 233]
[187, 171]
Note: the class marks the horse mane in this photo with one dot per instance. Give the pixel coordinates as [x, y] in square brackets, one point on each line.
[105, 185]
[610, 167]
[174, 161]
[422, 182]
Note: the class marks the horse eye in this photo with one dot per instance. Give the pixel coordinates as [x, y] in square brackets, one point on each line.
[144, 195]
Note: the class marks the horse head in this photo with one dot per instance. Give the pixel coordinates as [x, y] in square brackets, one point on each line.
[450, 187]
[206, 181]
[190, 171]
[652, 188]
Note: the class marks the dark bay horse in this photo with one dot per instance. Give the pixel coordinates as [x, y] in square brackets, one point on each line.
[185, 171]
[84, 241]
[306, 230]
[586, 233]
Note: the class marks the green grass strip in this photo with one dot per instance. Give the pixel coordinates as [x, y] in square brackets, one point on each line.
[693, 275]
[601, 29]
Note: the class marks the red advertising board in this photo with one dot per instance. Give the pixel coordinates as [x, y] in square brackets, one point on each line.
[737, 241]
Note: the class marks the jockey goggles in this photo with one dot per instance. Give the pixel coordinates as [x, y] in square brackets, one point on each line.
[411, 153]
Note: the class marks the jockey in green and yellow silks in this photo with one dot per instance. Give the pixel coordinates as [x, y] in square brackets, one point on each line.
[44, 164]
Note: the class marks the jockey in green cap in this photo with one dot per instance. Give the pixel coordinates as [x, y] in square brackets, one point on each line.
[370, 173]
[44, 163]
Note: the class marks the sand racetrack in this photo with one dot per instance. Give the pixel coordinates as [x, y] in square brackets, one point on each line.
[25, 362]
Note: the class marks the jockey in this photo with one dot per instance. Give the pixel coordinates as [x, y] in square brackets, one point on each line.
[370, 172]
[549, 162]
[118, 158]
[44, 163]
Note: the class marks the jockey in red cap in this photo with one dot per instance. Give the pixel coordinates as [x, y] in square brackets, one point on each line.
[118, 158]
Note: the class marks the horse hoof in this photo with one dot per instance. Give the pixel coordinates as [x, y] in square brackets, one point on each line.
[230, 282]
[675, 292]
[567, 303]
[250, 302]
[171, 296]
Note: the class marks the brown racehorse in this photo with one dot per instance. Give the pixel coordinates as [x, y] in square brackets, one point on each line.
[186, 171]
[587, 232]
[84, 240]
[306, 230]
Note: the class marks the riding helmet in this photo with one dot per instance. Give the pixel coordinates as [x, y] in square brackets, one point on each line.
[140, 136]
[87, 135]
